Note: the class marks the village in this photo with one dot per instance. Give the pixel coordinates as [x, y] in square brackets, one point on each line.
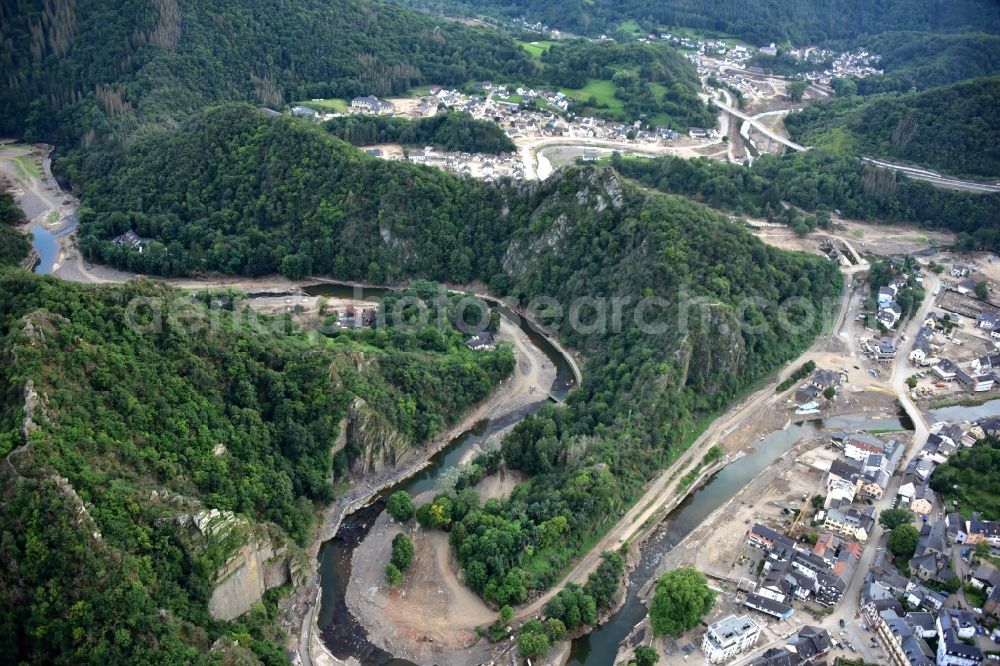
[801, 557]
[548, 132]
[528, 116]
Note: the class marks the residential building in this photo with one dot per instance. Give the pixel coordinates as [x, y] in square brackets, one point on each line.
[921, 596]
[823, 379]
[860, 445]
[809, 646]
[769, 607]
[984, 577]
[983, 530]
[128, 239]
[945, 369]
[956, 526]
[886, 295]
[729, 637]
[850, 522]
[843, 482]
[921, 503]
[952, 627]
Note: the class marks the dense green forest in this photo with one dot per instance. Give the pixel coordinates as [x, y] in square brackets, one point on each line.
[80, 69]
[800, 22]
[951, 129]
[971, 478]
[447, 131]
[817, 180]
[651, 81]
[233, 184]
[271, 402]
[84, 70]
[238, 192]
[13, 244]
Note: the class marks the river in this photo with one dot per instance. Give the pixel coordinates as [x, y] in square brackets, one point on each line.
[340, 630]
[344, 636]
[46, 244]
[600, 646]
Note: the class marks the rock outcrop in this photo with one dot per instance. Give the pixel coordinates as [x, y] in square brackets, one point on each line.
[255, 563]
[377, 443]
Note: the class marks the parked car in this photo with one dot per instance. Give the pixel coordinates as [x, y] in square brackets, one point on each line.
[842, 623]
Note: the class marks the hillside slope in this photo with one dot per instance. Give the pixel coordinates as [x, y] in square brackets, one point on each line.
[232, 184]
[146, 443]
[951, 129]
[79, 71]
[921, 60]
[759, 21]
[82, 68]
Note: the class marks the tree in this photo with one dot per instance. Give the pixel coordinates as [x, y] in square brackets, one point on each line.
[829, 392]
[402, 552]
[796, 89]
[393, 574]
[682, 598]
[400, 506]
[982, 291]
[646, 656]
[555, 630]
[532, 644]
[890, 519]
[903, 541]
[953, 584]
[817, 501]
[506, 615]
[911, 381]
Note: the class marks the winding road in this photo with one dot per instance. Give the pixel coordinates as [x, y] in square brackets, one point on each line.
[759, 126]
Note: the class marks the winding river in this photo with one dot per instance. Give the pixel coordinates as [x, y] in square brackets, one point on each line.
[46, 245]
[345, 637]
[342, 634]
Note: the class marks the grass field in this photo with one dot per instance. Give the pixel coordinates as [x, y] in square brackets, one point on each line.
[536, 49]
[333, 105]
[601, 90]
[691, 33]
[26, 167]
[631, 27]
[833, 139]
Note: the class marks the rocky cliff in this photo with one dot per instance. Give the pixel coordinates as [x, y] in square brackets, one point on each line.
[375, 441]
[256, 560]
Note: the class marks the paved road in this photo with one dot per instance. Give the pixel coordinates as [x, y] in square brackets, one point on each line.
[936, 178]
[760, 127]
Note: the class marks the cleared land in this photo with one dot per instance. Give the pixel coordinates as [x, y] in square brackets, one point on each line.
[603, 92]
[536, 49]
[333, 105]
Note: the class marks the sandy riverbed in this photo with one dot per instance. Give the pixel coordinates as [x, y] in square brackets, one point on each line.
[432, 617]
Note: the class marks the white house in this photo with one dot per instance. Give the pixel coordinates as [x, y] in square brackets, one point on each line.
[952, 627]
[729, 637]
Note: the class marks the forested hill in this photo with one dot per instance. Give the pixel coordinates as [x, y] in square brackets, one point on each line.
[952, 129]
[448, 131]
[76, 69]
[758, 21]
[79, 71]
[818, 181]
[237, 191]
[115, 432]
